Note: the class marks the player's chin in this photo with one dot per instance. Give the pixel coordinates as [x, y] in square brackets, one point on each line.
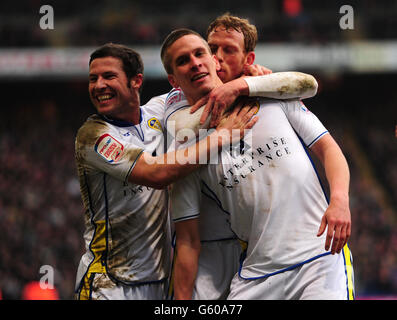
[104, 109]
[205, 89]
[106, 104]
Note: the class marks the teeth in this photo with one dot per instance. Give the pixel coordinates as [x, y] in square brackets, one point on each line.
[104, 97]
[199, 76]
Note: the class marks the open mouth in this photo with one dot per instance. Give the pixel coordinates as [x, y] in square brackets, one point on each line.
[199, 76]
[104, 97]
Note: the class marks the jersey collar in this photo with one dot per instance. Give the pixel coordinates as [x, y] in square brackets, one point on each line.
[121, 123]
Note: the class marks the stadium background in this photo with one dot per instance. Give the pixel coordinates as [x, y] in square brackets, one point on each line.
[43, 79]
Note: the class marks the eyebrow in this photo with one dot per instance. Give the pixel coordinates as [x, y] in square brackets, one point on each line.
[106, 73]
[109, 73]
[186, 55]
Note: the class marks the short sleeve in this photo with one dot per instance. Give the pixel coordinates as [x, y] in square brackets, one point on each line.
[186, 198]
[100, 148]
[306, 124]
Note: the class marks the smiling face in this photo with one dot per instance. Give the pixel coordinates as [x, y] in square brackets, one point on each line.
[228, 47]
[110, 91]
[193, 67]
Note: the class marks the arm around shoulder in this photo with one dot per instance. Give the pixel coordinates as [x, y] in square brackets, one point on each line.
[283, 85]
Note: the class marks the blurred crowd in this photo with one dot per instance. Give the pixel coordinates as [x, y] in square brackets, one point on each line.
[41, 213]
[40, 206]
[91, 23]
[360, 112]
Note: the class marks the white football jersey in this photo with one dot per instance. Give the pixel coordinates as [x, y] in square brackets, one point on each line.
[214, 223]
[270, 189]
[126, 225]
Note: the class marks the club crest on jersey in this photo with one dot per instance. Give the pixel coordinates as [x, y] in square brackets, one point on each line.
[154, 124]
[109, 148]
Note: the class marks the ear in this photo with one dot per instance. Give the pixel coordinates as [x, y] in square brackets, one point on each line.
[136, 81]
[250, 58]
[172, 81]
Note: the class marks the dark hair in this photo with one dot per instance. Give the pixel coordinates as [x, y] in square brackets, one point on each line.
[169, 40]
[131, 60]
[227, 21]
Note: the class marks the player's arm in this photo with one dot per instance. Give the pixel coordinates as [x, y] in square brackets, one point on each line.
[280, 85]
[337, 216]
[187, 255]
[317, 138]
[283, 85]
[162, 170]
[185, 197]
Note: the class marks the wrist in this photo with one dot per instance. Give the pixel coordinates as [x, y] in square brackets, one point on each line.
[243, 88]
[250, 85]
[339, 197]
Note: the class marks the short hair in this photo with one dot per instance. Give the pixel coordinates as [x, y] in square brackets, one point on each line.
[170, 39]
[228, 21]
[131, 60]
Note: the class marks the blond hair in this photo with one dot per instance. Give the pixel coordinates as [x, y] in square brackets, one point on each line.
[228, 22]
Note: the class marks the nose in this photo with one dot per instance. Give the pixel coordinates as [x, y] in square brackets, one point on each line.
[195, 62]
[219, 54]
[100, 83]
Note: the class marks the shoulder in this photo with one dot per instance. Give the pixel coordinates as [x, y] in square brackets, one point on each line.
[155, 106]
[175, 100]
[174, 96]
[92, 128]
[97, 135]
[290, 105]
[268, 102]
[157, 100]
[98, 140]
[155, 111]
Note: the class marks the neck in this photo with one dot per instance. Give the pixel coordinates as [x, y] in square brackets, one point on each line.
[135, 110]
[135, 115]
[131, 114]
